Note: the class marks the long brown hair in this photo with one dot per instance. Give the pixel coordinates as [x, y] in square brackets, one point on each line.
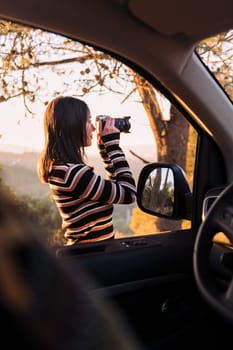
[65, 134]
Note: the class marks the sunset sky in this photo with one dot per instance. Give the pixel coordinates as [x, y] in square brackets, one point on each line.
[28, 132]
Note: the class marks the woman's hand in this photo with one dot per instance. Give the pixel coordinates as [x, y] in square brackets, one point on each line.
[109, 128]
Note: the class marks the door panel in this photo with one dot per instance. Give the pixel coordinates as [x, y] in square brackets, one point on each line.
[151, 281]
[130, 260]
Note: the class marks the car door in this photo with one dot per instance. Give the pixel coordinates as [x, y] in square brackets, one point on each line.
[150, 276]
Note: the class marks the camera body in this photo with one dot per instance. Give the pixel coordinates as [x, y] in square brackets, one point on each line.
[123, 124]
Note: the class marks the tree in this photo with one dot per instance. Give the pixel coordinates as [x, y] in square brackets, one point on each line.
[217, 53]
[23, 52]
[142, 223]
[42, 217]
[28, 53]
[24, 61]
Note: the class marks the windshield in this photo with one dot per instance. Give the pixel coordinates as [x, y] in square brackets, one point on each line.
[217, 54]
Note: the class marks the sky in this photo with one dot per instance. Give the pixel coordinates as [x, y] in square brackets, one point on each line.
[27, 132]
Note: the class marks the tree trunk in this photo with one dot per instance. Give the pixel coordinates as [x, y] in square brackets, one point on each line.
[170, 136]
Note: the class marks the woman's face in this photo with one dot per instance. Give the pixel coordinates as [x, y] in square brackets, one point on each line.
[89, 130]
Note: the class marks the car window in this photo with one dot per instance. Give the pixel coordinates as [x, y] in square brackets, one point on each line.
[37, 66]
[216, 53]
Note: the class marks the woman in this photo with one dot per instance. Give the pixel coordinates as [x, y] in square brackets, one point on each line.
[84, 199]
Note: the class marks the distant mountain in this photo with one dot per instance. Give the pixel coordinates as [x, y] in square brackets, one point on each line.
[15, 149]
[20, 167]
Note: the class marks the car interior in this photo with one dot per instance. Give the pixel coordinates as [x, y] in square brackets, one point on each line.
[172, 288]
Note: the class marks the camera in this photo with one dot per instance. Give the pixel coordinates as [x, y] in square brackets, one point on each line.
[123, 124]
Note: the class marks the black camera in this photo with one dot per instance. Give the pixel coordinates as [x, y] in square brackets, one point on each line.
[123, 124]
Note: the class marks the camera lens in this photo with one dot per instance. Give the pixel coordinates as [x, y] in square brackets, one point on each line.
[123, 124]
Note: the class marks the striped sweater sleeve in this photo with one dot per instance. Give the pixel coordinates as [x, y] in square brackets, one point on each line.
[108, 166]
[81, 181]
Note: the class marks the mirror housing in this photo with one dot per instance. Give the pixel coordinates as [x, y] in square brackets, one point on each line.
[163, 191]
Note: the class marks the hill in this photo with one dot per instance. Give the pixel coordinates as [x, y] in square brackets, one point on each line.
[19, 167]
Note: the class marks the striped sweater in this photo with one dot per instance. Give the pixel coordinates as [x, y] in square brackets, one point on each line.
[85, 200]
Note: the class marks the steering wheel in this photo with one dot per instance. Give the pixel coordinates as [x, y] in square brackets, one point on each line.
[219, 219]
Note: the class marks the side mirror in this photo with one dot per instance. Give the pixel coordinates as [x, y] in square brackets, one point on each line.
[163, 190]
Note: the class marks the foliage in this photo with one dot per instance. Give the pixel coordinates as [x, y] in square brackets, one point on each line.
[142, 223]
[40, 214]
[217, 53]
[22, 178]
[27, 54]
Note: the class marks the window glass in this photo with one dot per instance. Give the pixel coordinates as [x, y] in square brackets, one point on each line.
[37, 66]
[216, 53]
